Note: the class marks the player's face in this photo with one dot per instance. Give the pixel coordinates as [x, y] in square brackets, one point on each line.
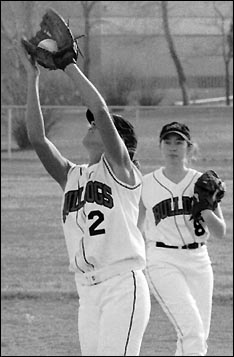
[174, 148]
[92, 139]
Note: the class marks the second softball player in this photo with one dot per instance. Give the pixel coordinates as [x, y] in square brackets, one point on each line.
[179, 269]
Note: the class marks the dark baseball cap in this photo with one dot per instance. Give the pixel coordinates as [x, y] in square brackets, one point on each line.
[177, 128]
[124, 128]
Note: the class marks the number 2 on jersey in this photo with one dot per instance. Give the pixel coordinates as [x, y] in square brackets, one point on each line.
[93, 230]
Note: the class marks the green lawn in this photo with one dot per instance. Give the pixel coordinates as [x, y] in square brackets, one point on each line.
[38, 292]
[34, 255]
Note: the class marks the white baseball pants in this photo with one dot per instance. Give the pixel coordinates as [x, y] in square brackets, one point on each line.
[113, 315]
[182, 282]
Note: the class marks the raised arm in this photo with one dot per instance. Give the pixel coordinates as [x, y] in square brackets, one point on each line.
[65, 58]
[55, 164]
[115, 149]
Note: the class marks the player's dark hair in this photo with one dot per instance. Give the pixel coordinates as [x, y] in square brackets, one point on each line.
[137, 163]
[126, 131]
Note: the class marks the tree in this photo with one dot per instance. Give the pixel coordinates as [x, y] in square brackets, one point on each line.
[87, 7]
[173, 52]
[226, 44]
[160, 10]
[18, 19]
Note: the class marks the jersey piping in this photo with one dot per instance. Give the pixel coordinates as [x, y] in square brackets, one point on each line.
[118, 181]
[132, 315]
[174, 217]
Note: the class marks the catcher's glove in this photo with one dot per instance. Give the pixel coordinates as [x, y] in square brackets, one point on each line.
[53, 27]
[209, 189]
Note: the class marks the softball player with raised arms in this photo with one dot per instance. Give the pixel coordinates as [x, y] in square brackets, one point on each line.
[179, 269]
[100, 209]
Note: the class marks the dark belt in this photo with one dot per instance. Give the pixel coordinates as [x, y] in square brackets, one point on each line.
[187, 246]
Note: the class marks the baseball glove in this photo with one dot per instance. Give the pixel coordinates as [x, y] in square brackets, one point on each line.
[53, 27]
[209, 189]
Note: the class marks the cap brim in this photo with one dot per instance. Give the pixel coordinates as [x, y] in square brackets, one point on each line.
[175, 132]
[89, 116]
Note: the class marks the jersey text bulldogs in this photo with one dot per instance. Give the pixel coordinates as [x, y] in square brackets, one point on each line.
[95, 191]
[164, 208]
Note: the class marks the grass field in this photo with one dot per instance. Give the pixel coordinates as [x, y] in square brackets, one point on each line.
[38, 293]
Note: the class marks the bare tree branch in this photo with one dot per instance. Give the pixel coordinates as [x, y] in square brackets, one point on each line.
[87, 7]
[227, 46]
[173, 52]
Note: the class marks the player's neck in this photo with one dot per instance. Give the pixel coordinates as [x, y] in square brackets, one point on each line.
[94, 158]
[175, 173]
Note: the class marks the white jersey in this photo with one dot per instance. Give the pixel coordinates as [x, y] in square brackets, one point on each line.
[100, 220]
[168, 209]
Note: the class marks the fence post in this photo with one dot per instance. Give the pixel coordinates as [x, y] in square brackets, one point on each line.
[9, 130]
